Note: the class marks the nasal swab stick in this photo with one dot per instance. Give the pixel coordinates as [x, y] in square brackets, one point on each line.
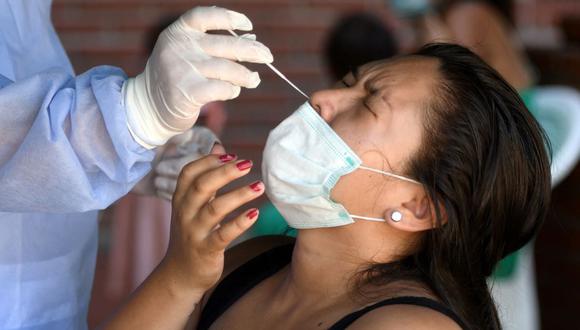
[276, 71]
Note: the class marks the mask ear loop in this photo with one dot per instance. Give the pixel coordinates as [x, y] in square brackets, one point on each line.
[390, 174]
[387, 174]
[366, 218]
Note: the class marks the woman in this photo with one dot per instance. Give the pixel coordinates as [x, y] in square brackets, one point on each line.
[454, 176]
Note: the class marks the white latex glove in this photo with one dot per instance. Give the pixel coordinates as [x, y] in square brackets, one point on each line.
[179, 151]
[196, 143]
[189, 68]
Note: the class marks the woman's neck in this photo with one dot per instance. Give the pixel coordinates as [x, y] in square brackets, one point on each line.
[325, 261]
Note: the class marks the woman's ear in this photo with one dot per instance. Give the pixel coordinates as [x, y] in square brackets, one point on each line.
[415, 215]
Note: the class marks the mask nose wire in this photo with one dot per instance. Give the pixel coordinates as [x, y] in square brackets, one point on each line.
[277, 72]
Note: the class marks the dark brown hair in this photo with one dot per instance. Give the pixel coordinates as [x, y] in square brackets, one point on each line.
[485, 164]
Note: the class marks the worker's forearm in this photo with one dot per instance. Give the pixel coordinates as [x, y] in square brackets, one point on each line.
[65, 143]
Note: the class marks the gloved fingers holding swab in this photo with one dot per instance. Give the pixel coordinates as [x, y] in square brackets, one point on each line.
[214, 90]
[187, 69]
[235, 48]
[215, 18]
[226, 70]
[249, 36]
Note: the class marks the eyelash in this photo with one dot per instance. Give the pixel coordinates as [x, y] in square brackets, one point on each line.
[365, 103]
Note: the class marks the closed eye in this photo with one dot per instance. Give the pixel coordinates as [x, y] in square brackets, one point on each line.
[366, 105]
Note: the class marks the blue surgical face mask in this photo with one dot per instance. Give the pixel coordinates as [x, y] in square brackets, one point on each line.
[303, 160]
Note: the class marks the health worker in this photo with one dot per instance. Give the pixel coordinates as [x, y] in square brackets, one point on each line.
[73, 144]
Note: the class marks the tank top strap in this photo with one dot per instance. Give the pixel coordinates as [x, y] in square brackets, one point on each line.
[406, 300]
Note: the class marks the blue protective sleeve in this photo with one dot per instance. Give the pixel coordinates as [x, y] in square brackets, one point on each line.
[4, 81]
[64, 142]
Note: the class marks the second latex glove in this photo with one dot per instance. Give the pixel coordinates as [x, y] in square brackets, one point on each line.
[189, 146]
[187, 69]
[170, 159]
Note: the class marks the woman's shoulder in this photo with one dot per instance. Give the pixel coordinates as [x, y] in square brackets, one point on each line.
[404, 316]
[405, 304]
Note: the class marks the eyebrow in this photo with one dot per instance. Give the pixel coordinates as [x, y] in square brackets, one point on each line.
[368, 85]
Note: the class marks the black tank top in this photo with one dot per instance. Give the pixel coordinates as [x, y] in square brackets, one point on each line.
[244, 278]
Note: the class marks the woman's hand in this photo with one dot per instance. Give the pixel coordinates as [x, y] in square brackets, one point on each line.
[195, 257]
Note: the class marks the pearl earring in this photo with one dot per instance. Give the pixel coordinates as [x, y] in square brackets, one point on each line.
[396, 216]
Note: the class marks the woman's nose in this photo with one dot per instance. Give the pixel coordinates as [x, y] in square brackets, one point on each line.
[325, 103]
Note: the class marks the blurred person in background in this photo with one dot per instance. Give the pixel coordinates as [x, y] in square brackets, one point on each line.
[354, 40]
[478, 25]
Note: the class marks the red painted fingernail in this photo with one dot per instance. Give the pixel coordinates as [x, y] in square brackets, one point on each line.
[227, 158]
[252, 214]
[244, 165]
[256, 186]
